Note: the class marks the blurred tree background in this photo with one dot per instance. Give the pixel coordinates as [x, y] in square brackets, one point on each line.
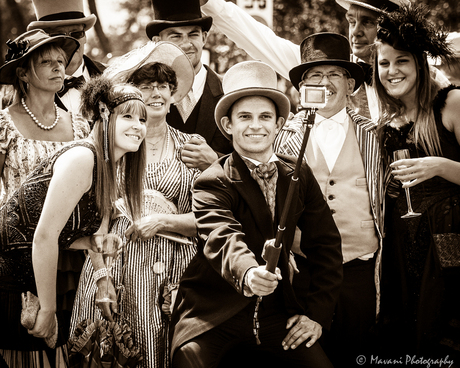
[293, 20]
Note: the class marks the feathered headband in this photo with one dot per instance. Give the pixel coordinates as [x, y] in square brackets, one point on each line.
[98, 100]
[409, 29]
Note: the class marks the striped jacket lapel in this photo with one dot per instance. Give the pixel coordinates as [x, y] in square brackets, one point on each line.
[370, 152]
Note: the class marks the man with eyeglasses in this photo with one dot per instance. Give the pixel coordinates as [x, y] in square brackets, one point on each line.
[342, 151]
[261, 43]
[66, 17]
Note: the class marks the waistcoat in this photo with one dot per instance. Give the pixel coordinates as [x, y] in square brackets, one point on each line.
[346, 192]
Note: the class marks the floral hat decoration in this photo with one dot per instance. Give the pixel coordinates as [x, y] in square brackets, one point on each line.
[410, 30]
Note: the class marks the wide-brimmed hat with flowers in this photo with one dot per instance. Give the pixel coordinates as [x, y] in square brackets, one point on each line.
[28, 42]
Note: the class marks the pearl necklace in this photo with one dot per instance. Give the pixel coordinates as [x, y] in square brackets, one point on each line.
[40, 125]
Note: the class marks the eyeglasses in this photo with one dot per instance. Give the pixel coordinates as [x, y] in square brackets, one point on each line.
[75, 34]
[149, 88]
[317, 77]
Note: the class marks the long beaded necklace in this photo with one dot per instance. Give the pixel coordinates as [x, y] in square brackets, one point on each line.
[40, 125]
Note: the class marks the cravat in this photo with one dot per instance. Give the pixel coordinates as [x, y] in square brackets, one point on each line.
[330, 136]
[266, 176]
[72, 82]
[186, 105]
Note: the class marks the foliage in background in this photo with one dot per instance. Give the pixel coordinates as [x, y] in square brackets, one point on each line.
[293, 20]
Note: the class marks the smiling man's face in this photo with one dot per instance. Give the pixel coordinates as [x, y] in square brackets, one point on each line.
[253, 126]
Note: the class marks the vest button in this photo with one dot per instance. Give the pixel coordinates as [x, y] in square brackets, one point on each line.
[332, 182]
[333, 211]
[331, 197]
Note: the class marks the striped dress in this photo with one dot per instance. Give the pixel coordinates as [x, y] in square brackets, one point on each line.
[146, 268]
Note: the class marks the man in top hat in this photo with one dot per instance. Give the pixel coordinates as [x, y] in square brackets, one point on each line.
[238, 202]
[342, 151]
[180, 22]
[66, 17]
[262, 43]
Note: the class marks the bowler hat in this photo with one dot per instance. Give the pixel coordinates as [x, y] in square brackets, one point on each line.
[57, 13]
[250, 78]
[176, 13]
[375, 5]
[121, 70]
[26, 43]
[325, 49]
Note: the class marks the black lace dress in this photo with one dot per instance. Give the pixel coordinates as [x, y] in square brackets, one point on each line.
[18, 220]
[420, 301]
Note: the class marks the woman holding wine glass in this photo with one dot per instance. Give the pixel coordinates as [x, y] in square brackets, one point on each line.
[420, 296]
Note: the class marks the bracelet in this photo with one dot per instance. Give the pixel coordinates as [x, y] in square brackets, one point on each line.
[99, 274]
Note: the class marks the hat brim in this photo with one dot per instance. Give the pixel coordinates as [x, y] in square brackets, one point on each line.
[160, 52]
[356, 72]
[88, 22]
[69, 44]
[156, 26]
[347, 3]
[224, 104]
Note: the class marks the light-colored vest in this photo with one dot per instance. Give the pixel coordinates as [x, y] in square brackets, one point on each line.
[346, 192]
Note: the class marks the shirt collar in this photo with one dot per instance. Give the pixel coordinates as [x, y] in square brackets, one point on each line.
[274, 158]
[81, 70]
[198, 82]
[340, 117]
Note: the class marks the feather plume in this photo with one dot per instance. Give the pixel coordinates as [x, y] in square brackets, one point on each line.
[409, 29]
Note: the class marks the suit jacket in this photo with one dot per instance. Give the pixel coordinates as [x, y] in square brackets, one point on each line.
[234, 221]
[94, 67]
[202, 116]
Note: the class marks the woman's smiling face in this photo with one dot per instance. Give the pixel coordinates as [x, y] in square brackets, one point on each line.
[397, 72]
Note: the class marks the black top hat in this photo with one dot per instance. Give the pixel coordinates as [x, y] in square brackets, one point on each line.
[325, 49]
[176, 13]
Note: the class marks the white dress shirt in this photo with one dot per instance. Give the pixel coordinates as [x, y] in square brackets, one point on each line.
[71, 99]
[329, 134]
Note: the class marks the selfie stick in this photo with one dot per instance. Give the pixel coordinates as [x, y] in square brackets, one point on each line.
[272, 247]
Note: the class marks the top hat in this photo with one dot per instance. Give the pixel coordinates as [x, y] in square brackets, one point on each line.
[176, 13]
[26, 43]
[161, 52]
[325, 49]
[56, 13]
[375, 5]
[250, 78]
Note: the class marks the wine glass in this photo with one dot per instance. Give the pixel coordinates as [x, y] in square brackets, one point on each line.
[401, 155]
[109, 251]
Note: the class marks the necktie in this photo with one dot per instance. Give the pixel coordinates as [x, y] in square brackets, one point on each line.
[186, 105]
[72, 82]
[266, 176]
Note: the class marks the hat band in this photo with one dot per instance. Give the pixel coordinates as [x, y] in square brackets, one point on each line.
[62, 16]
[123, 98]
[183, 17]
[381, 4]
